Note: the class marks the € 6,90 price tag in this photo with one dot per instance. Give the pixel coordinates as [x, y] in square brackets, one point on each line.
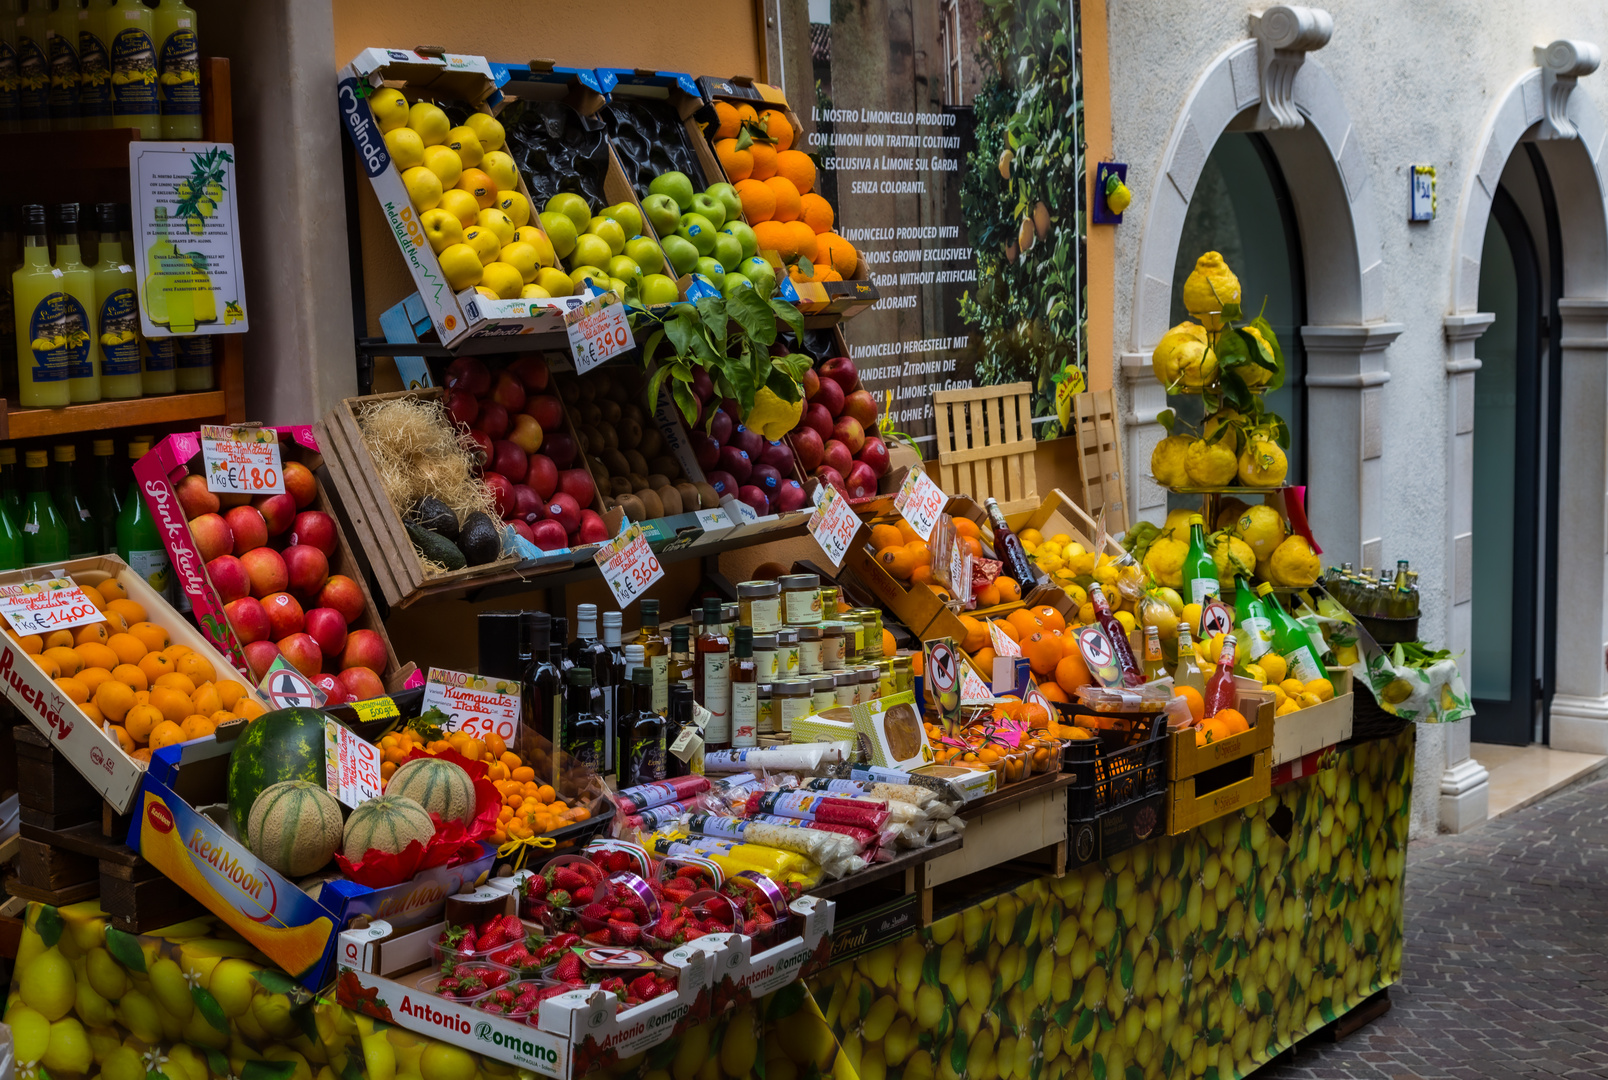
[920, 502]
[242, 461]
[39, 607]
[628, 565]
[474, 703]
[597, 330]
[834, 524]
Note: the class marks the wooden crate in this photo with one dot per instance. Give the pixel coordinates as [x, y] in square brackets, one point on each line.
[51, 793]
[1298, 734]
[1185, 759]
[1099, 447]
[985, 444]
[1191, 803]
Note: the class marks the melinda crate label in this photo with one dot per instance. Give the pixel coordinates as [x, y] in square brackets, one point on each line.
[351, 765]
[474, 703]
[242, 461]
[920, 502]
[628, 565]
[40, 607]
[597, 331]
[834, 524]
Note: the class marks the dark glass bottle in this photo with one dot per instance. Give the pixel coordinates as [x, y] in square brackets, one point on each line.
[1132, 675]
[714, 678]
[609, 674]
[655, 654]
[1008, 549]
[680, 671]
[581, 730]
[642, 755]
[678, 721]
[744, 689]
[541, 700]
[106, 502]
[64, 493]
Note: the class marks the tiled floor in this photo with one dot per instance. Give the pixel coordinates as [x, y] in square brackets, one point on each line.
[1505, 965]
[1521, 775]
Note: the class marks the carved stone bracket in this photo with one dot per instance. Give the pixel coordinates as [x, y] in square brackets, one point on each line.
[1285, 34]
[1562, 64]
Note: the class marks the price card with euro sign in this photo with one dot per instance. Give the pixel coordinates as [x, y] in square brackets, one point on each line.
[834, 524]
[242, 460]
[920, 502]
[628, 565]
[597, 331]
[40, 607]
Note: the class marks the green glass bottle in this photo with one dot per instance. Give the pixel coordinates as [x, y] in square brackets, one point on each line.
[12, 556]
[138, 542]
[44, 531]
[1303, 659]
[105, 504]
[1251, 616]
[10, 490]
[74, 512]
[1200, 569]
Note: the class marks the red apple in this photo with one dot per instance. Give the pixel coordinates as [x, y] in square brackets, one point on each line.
[361, 683]
[848, 431]
[229, 578]
[278, 512]
[547, 410]
[748, 441]
[285, 615]
[838, 457]
[564, 509]
[809, 447]
[502, 493]
[526, 433]
[578, 485]
[302, 653]
[702, 385]
[334, 692]
[559, 446]
[509, 459]
[705, 450]
[260, 656]
[308, 569]
[828, 475]
[248, 620]
[818, 419]
[830, 397]
[863, 407]
[470, 374]
[327, 627]
[493, 420]
[532, 371]
[811, 383]
[861, 481]
[737, 462]
[249, 529]
[875, 454]
[364, 648]
[509, 392]
[194, 498]
[754, 497]
[316, 529]
[266, 569]
[524, 530]
[791, 497]
[776, 455]
[463, 407]
[766, 478]
[344, 595]
[593, 530]
[528, 506]
[212, 535]
[721, 426]
[483, 447]
[542, 475]
[723, 482]
[300, 484]
[549, 535]
[841, 370]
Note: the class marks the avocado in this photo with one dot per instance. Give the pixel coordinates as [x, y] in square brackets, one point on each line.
[435, 547]
[479, 539]
[433, 514]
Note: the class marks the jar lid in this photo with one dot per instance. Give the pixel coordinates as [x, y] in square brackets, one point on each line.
[834, 628]
[728, 612]
[822, 683]
[764, 689]
[764, 642]
[867, 674]
[800, 581]
[758, 590]
[786, 637]
[809, 633]
[845, 678]
[791, 687]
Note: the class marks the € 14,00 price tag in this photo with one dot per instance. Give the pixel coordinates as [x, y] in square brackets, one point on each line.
[628, 565]
[834, 524]
[597, 331]
[242, 461]
[40, 607]
[474, 703]
[1004, 644]
[351, 765]
[920, 502]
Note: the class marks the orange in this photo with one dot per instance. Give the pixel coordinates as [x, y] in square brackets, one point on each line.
[123, 738]
[1008, 628]
[155, 665]
[60, 639]
[76, 691]
[33, 644]
[140, 720]
[787, 199]
[920, 553]
[764, 161]
[131, 610]
[66, 659]
[152, 636]
[1049, 617]
[738, 164]
[174, 652]
[92, 677]
[1232, 720]
[1037, 715]
[197, 727]
[796, 166]
[248, 709]
[988, 596]
[897, 561]
[142, 697]
[776, 126]
[93, 633]
[172, 704]
[1024, 622]
[726, 120]
[112, 589]
[48, 666]
[1197, 704]
[816, 212]
[803, 239]
[131, 676]
[885, 536]
[775, 236]
[129, 649]
[976, 633]
[1043, 652]
[94, 596]
[1071, 672]
[839, 252]
[889, 646]
[759, 201]
[747, 115]
[984, 659]
[1053, 692]
[906, 531]
[964, 526]
[167, 733]
[118, 624]
[205, 700]
[971, 544]
[142, 754]
[198, 667]
[174, 681]
[1009, 709]
[921, 575]
[96, 655]
[1009, 590]
[230, 692]
[114, 699]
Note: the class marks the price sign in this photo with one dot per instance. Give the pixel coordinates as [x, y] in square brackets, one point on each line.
[597, 331]
[379, 708]
[834, 524]
[920, 501]
[351, 766]
[242, 461]
[287, 688]
[474, 703]
[974, 691]
[628, 565]
[1002, 642]
[39, 607]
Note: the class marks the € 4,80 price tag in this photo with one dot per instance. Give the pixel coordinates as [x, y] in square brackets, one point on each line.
[242, 461]
[628, 565]
[834, 524]
[597, 330]
[40, 607]
[920, 502]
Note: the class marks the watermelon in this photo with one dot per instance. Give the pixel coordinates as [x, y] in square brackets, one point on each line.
[286, 744]
[294, 827]
[441, 787]
[388, 823]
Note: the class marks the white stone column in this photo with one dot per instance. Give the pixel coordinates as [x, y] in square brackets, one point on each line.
[1147, 398]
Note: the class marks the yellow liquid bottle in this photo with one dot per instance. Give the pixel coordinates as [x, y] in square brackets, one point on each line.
[94, 66]
[158, 359]
[130, 25]
[117, 313]
[10, 114]
[195, 362]
[37, 298]
[178, 65]
[62, 54]
[78, 309]
[33, 64]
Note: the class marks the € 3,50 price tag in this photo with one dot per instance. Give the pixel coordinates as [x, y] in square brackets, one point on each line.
[242, 461]
[597, 331]
[628, 565]
[40, 607]
[834, 524]
[920, 502]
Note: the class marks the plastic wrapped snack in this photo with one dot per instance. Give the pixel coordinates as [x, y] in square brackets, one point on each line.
[634, 800]
[799, 757]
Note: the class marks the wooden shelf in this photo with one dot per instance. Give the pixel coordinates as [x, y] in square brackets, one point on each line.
[18, 423]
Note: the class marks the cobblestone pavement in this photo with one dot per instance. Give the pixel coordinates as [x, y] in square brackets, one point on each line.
[1505, 963]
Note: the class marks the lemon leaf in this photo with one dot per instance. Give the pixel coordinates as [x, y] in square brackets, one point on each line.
[47, 924]
[125, 949]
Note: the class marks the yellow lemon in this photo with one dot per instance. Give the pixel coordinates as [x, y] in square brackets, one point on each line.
[1262, 463]
[170, 989]
[430, 122]
[461, 205]
[1274, 667]
[1211, 290]
[1167, 461]
[1182, 360]
[1322, 689]
[1165, 561]
[442, 1062]
[1262, 528]
[466, 143]
[68, 1049]
[1210, 464]
[1287, 707]
[1254, 671]
[1293, 687]
[1293, 563]
[232, 984]
[30, 1033]
[406, 148]
[47, 985]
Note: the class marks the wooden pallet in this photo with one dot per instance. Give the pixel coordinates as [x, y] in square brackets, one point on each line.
[51, 792]
[1099, 448]
[985, 444]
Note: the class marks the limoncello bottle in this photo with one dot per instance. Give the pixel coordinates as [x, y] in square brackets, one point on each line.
[44, 532]
[10, 114]
[158, 358]
[33, 64]
[94, 66]
[78, 309]
[61, 53]
[81, 535]
[117, 313]
[38, 302]
[130, 25]
[178, 65]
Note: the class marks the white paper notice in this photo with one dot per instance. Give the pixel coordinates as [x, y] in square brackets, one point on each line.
[187, 263]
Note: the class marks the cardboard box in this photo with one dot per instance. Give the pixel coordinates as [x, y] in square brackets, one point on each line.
[741, 974]
[682, 93]
[887, 726]
[92, 750]
[167, 463]
[1298, 734]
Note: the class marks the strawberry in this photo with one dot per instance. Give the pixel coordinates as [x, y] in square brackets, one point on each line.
[569, 880]
[568, 969]
[492, 936]
[622, 914]
[515, 956]
[615, 985]
[536, 887]
[560, 899]
[583, 895]
[619, 861]
[694, 872]
[595, 912]
[564, 941]
[545, 955]
[503, 996]
[453, 936]
[644, 987]
[551, 991]
[625, 933]
[599, 937]
[591, 871]
[495, 977]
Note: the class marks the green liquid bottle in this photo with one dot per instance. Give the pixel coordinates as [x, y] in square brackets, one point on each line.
[40, 317]
[44, 530]
[33, 64]
[64, 493]
[130, 26]
[94, 66]
[61, 52]
[10, 493]
[1251, 615]
[1200, 569]
[10, 110]
[1302, 658]
[78, 309]
[117, 313]
[12, 555]
[105, 504]
[178, 65]
[138, 542]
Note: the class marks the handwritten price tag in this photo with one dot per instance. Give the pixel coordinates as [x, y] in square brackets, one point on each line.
[1002, 642]
[973, 690]
[474, 703]
[834, 524]
[351, 766]
[39, 607]
[628, 565]
[242, 461]
[597, 331]
[920, 502]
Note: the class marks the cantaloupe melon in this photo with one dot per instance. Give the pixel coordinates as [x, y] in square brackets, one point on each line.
[439, 786]
[294, 827]
[388, 823]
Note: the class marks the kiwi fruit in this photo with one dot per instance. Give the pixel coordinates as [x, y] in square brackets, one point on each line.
[666, 465]
[633, 507]
[588, 391]
[570, 391]
[638, 481]
[652, 442]
[638, 463]
[611, 438]
[651, 506]
[706, 495]
[630, 433]
[690, 499]
[616, 462]
[610, 411]
[591, 413]
[657, 480]
[620, 485]
[630, 410]
[670, 499]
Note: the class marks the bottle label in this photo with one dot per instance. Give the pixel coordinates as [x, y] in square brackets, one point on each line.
[765, 664]
[847, 695]
[120, 345]
[822, 700]
[1300, 662]
[792, 708]
[154, 567]
[160, 354]
[181, 74]
[8, 82]
[660, 666]
[48, 338]
[77, 327]
[744, 714]
[133, 74]
[803, 607]
[765, 614]
[765, 715]
[586, 753]
[195, 352]
[63, 75]
[94, 76]
[647, 760]
[832, 652]
[1258, 635]
[809, 657]
[1203, 588]
[717, 696]
[33, 81]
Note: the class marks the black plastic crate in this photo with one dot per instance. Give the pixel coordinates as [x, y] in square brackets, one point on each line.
[1123, 763]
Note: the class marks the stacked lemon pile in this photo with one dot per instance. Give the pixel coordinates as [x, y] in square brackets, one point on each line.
[1289, 693]
[1248, 540]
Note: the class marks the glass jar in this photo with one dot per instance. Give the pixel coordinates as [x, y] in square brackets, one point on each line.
[760, 606]
[823, 693]
[766, 712]
[871, 647]
[801, 599]
[882, 675]
[847, 684]
[729, 614]
[787, 653]
[829, 601]
[853, 639]
[765, 657]
[791, 698]
[809, 650]
[832, 634]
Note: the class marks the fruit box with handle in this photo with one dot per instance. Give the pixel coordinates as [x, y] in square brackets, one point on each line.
[181, 504]
[742, 972]
[177, 830]
[93, 750]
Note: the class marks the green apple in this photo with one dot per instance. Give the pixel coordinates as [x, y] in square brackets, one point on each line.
[682, 254]
[729, 250]
[629, 217]
[711, 208]
[646, 254]
[657, 289]
[580, 275]
[745, 236]
[590, 251]
[734, 282]
[560, 230]
[610, 232]
[623, 266]
[663, 213]
[620, 287]
[674, 184]
[698, 230]
[760, 272]
[711, 269]
[571, 206]
[729, 199]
